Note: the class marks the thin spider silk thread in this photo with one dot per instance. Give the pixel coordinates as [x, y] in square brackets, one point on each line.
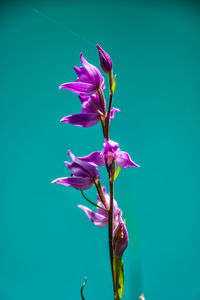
[63, 27]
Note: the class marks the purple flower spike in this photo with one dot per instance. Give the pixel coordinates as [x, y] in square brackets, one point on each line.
[120, 238]
[83, 174]
[105, 60]
[89, 79]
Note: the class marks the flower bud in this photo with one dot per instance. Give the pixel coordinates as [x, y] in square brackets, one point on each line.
[105, 60]
[120, 239]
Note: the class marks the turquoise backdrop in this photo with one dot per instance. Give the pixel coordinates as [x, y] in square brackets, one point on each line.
[47, 245]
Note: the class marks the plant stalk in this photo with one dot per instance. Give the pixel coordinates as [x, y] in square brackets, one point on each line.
[107, 120]
[102, 100]
[93, 202]
[100, 192]
[110, 219]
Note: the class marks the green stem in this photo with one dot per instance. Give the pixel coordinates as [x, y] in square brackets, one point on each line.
[84, 283]
[107, 120]
[101, 114]
[110, 219]
[93, 202]
[106, 131]
[100, 192]
[102, 100]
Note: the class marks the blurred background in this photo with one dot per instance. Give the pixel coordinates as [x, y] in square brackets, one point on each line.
[47, 245]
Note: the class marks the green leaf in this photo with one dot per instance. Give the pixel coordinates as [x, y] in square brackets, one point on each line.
[114, 84]
[84, 283]
[118, 269]
[116, 173]
[121, 281]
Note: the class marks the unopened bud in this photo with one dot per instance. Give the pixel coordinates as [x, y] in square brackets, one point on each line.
[105, 60]
[120, 239]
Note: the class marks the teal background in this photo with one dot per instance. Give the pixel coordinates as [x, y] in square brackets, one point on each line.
[47, 245]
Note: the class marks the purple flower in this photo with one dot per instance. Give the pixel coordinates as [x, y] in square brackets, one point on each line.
[120, 238]
[89, 115]
[105, 60]
[112, 153]
[100, 218]
[108, 155]
[89, 79]
[83, 174]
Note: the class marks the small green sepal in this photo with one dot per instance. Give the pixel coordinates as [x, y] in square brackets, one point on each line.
[116, 173]
[114, 84]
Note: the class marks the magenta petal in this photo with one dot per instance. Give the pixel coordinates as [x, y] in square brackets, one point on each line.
[79, 87]
[90, 169]
[95, 158]
[87, 105]
[110, 146]
[78, 183]
[84, 99]
[91, 69]
[97, 219]
[116, 211]
[94, 74]
[101, 211]
[82, 74]
[83, 119]
[123, 159]
[112, 112]
[76, 170]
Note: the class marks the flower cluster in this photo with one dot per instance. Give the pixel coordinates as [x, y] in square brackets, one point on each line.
[84, 173]
[89, 85]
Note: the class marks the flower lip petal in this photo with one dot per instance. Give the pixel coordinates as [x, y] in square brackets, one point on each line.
[82, 119]
[79, 183]
[123, 159]
[96, 218]
[79, 87]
